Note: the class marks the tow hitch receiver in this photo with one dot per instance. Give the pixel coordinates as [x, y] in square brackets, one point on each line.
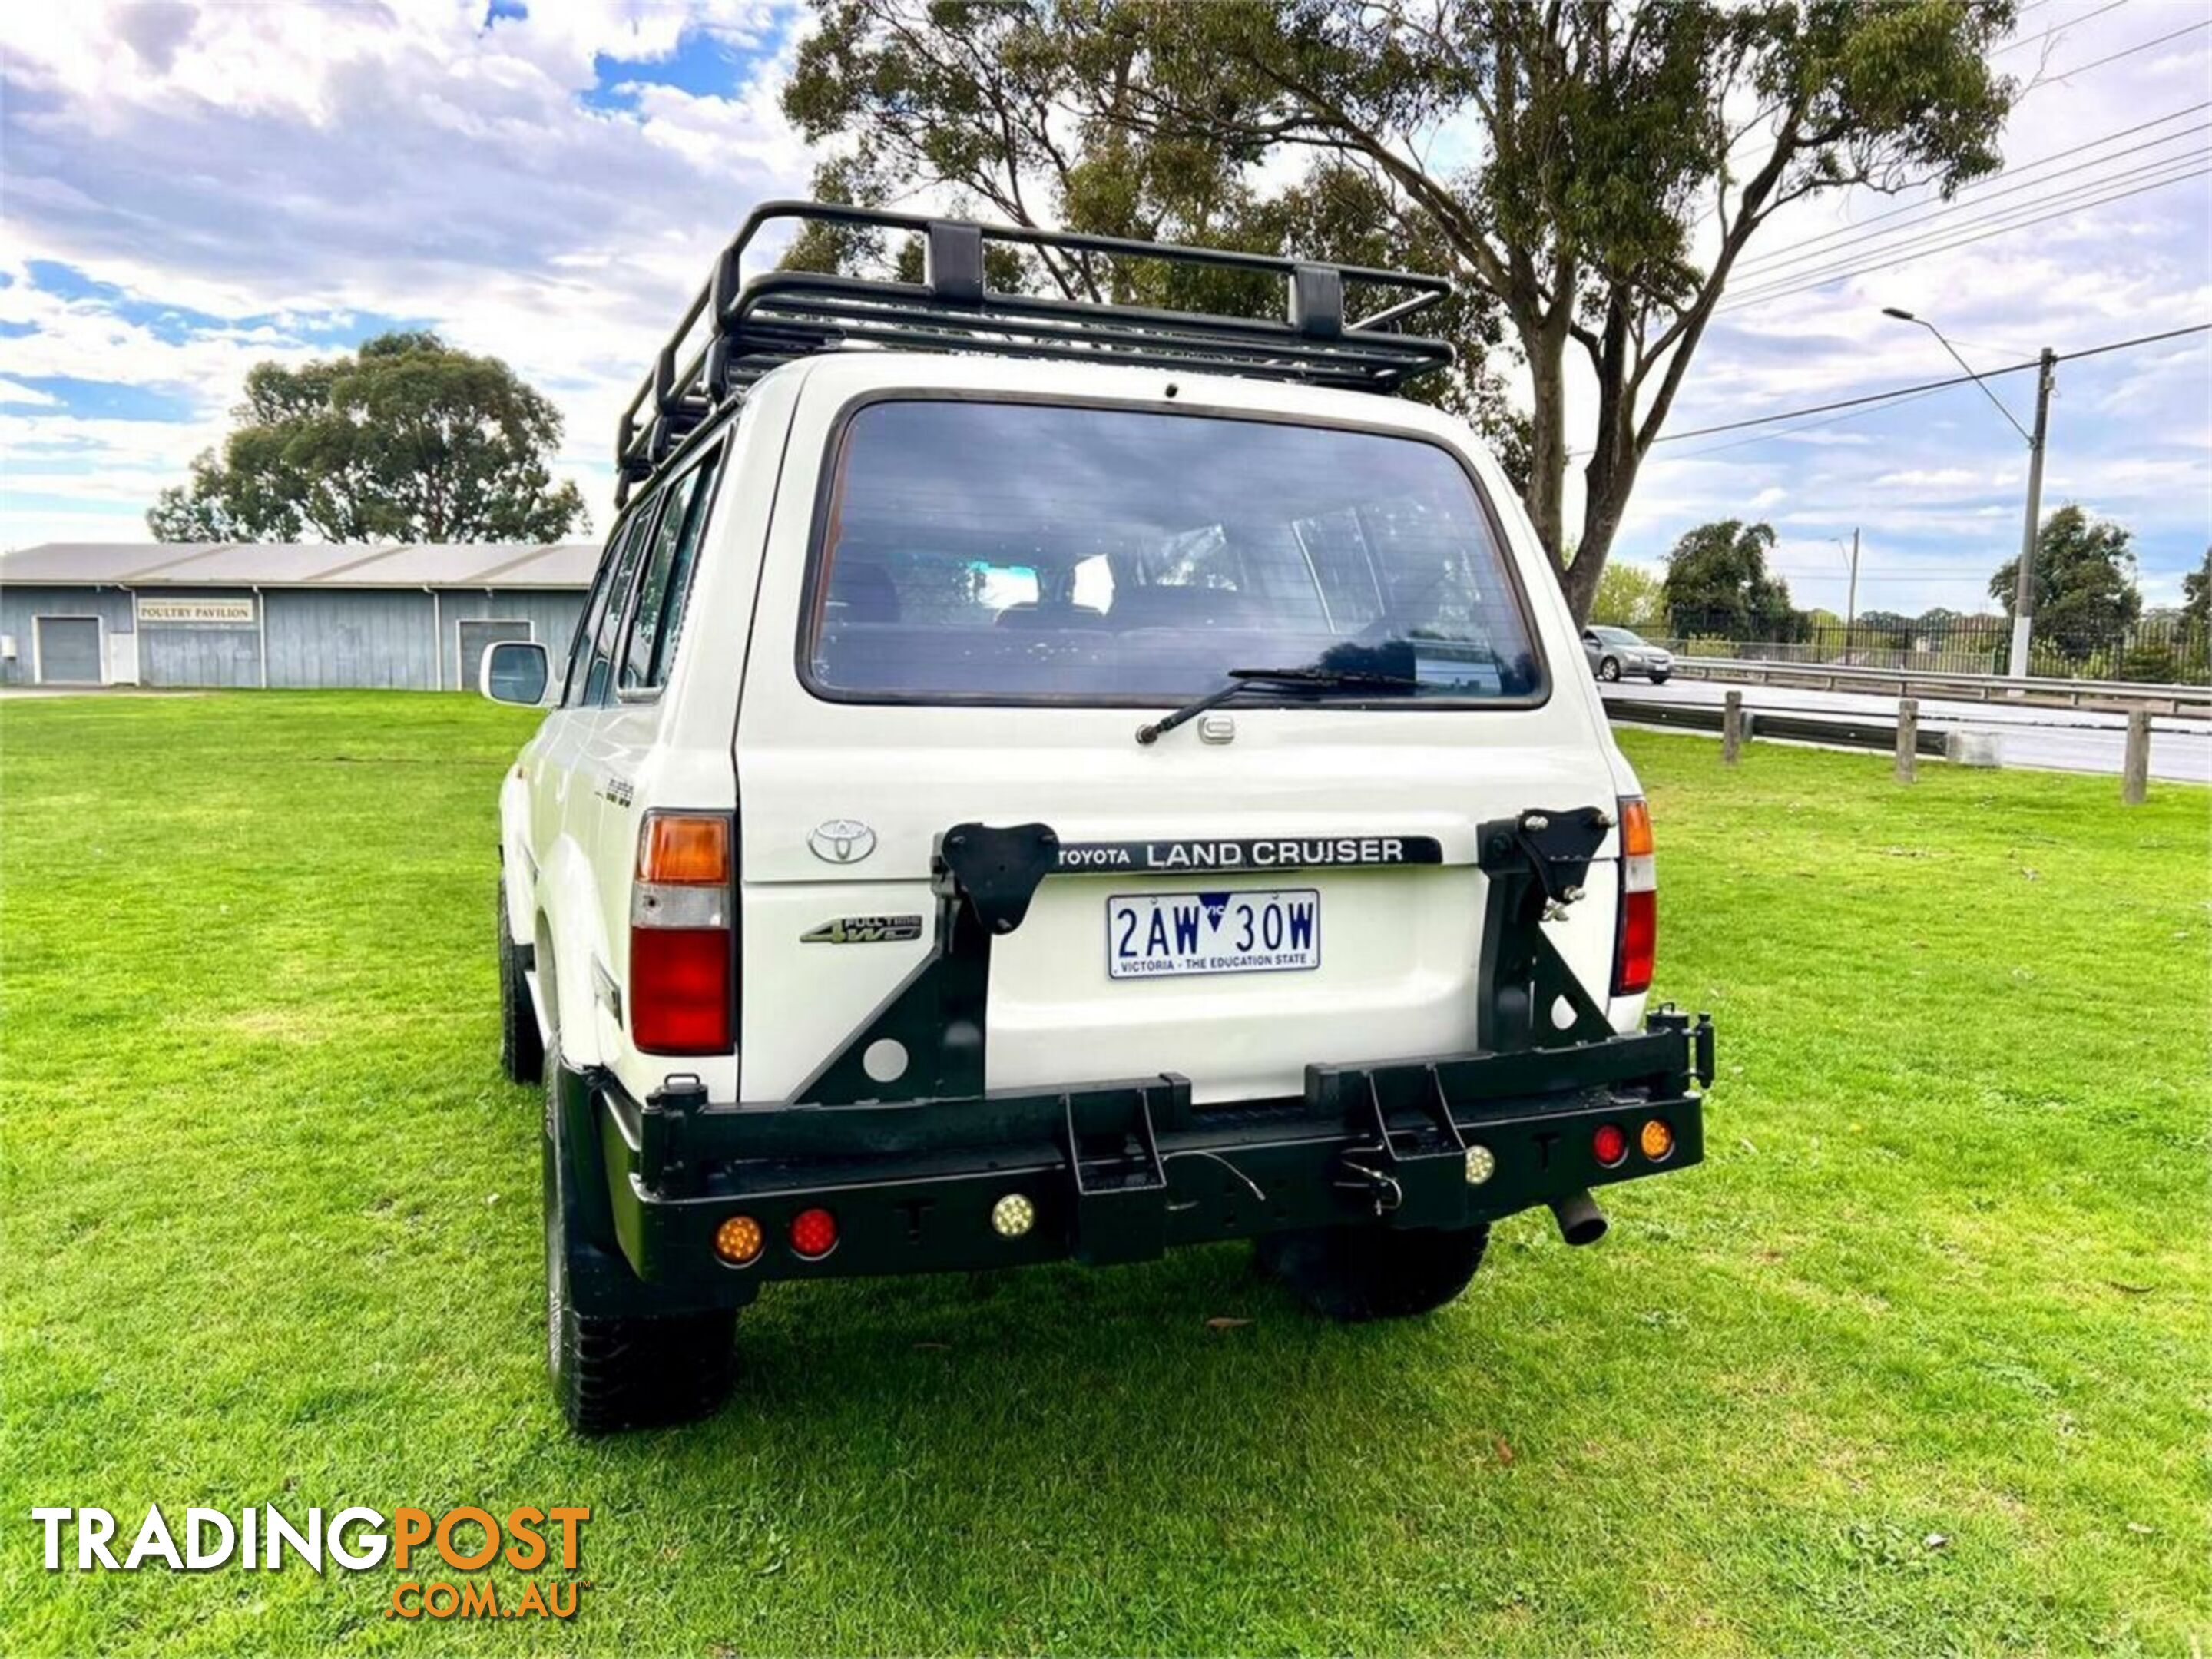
[1415, 1176]
[1121, 1185]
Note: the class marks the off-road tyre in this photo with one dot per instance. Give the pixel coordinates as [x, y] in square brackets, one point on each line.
[1608, 669]
[521, 1044]
[621, 1371]
[1358, 1274]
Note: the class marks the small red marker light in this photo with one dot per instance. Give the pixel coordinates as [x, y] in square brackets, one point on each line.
[813, 1234]
[1610, 1144]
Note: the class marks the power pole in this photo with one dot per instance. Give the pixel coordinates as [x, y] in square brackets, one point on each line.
[1851, 604]
[2023, 603]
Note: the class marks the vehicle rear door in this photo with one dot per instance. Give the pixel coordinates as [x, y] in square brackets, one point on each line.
[940, 640]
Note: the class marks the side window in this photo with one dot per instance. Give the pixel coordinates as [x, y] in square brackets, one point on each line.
[606, 633]
[665, 569]
[679, 580]
[580, 647]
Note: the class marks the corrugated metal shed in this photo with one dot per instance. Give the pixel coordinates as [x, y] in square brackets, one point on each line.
[301, 564]
[280, 615]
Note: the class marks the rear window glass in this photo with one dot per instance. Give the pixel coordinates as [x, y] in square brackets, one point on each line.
[1016, 552]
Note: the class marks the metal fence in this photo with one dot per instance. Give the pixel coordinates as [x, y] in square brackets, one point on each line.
[2168, 649]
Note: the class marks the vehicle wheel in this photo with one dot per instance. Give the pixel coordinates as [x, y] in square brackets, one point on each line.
[1357, 1273]
[1609, 668]
[521, 1045]
[1659, 679]
[623, 1371]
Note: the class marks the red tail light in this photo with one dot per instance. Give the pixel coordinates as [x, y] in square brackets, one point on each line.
[1638, 942]
[813, 1234]
[683, 952]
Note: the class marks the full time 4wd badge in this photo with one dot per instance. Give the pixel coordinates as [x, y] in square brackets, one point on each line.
[864, 930]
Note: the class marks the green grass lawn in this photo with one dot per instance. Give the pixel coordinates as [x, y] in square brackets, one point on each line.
[1917, 1362]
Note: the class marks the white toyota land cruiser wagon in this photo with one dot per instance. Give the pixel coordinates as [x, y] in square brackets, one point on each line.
[1038, 779]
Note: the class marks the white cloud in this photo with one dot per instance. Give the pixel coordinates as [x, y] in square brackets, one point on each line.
[15, 391]
[401, 161]
[1929, 477]
[307, 165]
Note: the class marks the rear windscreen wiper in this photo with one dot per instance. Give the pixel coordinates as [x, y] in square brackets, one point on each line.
[1241, 680]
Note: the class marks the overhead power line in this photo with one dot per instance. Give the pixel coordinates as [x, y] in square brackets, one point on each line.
[2129, 52]
[1899, 402]
[1903, 256]
[1913, 234]
[1897, 392]
[2056, 29]
[1973, 199]
[2124, 52]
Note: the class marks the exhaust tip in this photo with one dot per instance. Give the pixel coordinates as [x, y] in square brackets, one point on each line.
[1581, 1221]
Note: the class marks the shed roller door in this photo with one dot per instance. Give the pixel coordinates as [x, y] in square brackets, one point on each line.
[69, 650]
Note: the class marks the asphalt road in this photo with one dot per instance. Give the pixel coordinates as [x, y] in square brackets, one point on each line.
[2056, 740]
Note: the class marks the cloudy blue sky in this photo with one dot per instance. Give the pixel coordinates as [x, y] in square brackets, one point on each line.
[189, 189]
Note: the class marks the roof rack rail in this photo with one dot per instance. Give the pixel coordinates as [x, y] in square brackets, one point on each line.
[779, 316]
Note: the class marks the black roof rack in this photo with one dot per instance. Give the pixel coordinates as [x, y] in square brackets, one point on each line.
[753, 326]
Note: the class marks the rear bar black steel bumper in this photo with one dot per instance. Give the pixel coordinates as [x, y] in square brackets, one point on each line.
[1119, 1171]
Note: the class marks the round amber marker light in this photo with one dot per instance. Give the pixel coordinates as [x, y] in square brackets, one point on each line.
[738, 1241]
[1657, 1140]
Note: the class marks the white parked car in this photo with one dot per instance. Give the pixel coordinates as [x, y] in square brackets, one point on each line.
[1038, 780]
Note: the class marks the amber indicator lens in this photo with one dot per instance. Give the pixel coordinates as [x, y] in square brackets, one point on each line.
[684, 850]
[738, 1241]
[1636, 839]
[1657, 1141]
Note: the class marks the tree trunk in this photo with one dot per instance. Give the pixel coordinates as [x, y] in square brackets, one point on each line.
[1602, 518]
[1546, 497]
[1610, 473]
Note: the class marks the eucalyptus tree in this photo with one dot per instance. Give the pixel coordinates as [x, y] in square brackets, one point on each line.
[1592, 171]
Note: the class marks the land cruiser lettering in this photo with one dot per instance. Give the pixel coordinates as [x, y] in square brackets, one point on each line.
[913, 633]
[1258, 854]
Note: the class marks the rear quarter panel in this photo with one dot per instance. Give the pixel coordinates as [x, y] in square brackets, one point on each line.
[676, 750]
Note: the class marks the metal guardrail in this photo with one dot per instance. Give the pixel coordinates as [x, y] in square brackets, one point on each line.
[1842, 731]
[2189, 700]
